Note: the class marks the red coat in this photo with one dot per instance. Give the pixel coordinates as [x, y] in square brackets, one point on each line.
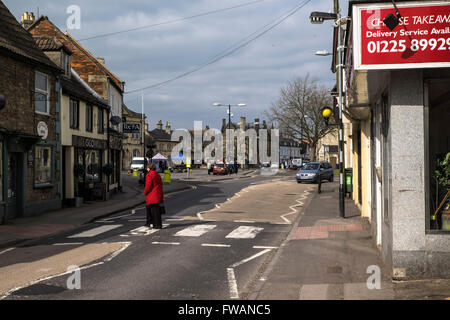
[153, 188]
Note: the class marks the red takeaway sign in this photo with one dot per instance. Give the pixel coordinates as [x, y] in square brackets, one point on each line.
[421, 40]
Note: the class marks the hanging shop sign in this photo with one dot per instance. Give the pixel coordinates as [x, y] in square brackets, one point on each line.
[420, 40]
[88, 143]
[131, 127]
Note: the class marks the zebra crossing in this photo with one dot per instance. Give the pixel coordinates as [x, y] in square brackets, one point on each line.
[197, 230]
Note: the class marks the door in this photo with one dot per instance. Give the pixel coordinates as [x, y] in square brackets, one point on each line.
[13, 183]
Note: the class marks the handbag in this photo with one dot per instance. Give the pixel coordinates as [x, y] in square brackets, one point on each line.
[162, 208]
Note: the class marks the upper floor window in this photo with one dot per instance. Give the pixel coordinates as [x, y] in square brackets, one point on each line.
[101, 127]
[65, 63]
[89, 118]
[74, 114]
[41, 93]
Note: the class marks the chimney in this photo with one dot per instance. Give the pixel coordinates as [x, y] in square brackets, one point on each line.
[168, 131]
[27, 19]
[257, 126]
[224, 124]
[159, 125]
[264, 124]
[242, 124]
[101, 60]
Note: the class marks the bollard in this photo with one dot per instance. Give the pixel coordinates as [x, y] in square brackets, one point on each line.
[166, 178]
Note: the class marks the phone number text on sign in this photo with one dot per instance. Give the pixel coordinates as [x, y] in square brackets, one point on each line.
[385, 46]
[422, 39]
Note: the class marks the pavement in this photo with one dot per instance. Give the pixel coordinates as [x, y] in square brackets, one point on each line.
[326, 257]
[20, 230]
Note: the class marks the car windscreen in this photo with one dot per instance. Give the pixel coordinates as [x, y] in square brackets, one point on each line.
[220, 165]
[310, 166]
[137, 162]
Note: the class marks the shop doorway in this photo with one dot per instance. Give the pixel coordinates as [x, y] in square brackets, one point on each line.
[14, 205]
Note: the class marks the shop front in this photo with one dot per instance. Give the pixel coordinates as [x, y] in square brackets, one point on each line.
[400, 74]
[89, 159]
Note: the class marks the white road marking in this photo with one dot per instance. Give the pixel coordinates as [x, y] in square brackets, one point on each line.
[244, 232]
[250, 258]
[96, 231]
[174, 219]
[216, 245]
[138, 220]
[68, 244]
[300, 203]
[244, 221]
[6, 250]
[169, 243]
[115, 254]
[264, 247]
[195, 231]
[143, 231]
[234, 294]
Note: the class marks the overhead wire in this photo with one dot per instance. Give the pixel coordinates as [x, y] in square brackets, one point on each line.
[170, 21]
[240, 44]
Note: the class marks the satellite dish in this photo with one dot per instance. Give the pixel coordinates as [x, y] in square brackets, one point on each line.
[115, 120]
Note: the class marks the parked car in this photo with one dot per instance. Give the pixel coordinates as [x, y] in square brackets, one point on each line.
[311, 171]
[220, 168]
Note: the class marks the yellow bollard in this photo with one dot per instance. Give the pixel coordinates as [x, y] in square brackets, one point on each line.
[135, 173]
[128, 172]
[166, 176]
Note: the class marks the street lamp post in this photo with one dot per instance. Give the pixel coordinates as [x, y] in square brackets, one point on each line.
[317, 18]
[229, 110]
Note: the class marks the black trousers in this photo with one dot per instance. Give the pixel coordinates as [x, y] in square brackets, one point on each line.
[154, 216]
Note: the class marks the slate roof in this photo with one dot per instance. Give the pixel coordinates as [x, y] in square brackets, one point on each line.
[72, 87]
[161, 135]
[14, 38]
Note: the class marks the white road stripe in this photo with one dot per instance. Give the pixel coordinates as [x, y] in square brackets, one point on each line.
[264, 247]
[169, 243]
[96, 231]
[195, 231]
[244, 232]
[216, 245]
[234, 294]
[143, 231]
[68, 244]
[115, 254]
[244, 221]
[250, 258]
[6, 250]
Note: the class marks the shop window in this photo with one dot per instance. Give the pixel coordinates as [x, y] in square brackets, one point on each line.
[89, 116]
[93, 165]
[43, 159]
[74, 114]
[41, 93]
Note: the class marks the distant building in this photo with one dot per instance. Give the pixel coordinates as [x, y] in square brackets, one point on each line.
[162, 140]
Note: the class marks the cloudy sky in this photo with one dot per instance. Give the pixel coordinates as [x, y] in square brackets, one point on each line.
[253, 74]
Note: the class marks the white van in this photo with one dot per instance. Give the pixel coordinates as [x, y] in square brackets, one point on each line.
[138, 163]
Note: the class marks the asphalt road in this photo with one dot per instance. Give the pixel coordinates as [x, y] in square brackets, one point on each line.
[189, 258]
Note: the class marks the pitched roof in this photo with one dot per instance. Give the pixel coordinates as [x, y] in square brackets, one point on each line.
[130, 112]
[14, 38]
[115, 79]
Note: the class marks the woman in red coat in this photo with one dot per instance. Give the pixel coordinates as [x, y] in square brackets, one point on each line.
[154, 196]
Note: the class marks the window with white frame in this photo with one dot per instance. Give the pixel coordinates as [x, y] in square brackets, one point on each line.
[41, 93]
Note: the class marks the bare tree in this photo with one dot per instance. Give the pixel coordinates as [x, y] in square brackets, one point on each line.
[298, 111]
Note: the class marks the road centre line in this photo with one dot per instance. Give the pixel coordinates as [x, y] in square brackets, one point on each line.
[215, 245]
[69, 244]
[168, 243]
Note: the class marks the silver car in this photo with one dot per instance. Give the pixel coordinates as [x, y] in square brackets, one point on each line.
[311, 171]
